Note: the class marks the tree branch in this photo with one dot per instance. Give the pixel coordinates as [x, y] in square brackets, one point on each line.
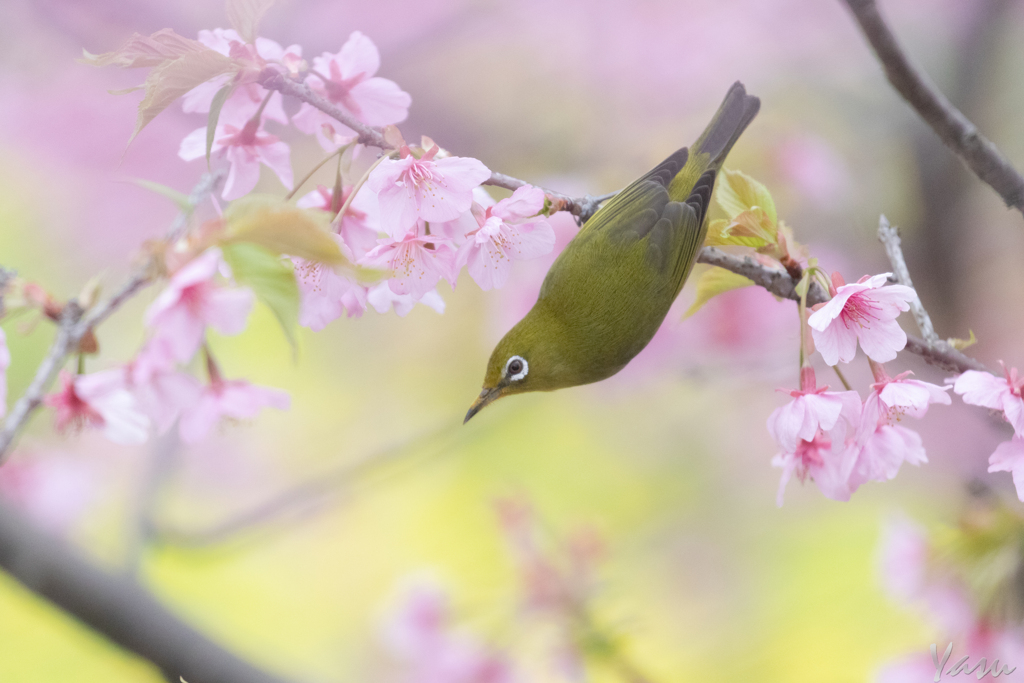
[890, 239]
[955, 130]
[117, 607]
[271, 79]
[75, 323]
[779, 282]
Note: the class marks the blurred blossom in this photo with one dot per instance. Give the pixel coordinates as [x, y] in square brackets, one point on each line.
[191, 301]
[1009, 457]
[383, 298]
[814, 169]
[865, 311]
[99, 401]
[419, 634]
[234, 399]
[54, 490]
[918, 573]
[161, 390]
[347, 80]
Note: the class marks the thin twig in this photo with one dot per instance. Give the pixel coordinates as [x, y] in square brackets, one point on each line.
[156, 471]
[301, 498]
[890, 239]
[74, 324]
[272, 79]
[779, 282]
[955, 130]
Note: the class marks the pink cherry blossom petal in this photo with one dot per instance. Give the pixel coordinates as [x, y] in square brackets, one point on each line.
[381, 101]
[1009, 457]
[236, 399]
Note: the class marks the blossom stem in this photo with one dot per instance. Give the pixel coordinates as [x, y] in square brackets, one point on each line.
[212, 371]
[323, 162]
[839, 374]
[358, 186]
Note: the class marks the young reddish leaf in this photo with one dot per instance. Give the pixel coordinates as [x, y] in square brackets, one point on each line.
[713, 282]
[211, 120]
[171, 80]
[283, 229]
[271, 278]
[245, 16]
[144, 51]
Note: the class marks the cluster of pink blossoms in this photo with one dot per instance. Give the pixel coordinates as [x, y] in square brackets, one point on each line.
[839, 441]
[422, 216]
[152, 391]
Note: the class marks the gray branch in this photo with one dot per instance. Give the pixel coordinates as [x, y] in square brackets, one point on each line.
[75, 323]
[779, 282]
[270, 78]
[116, 607]
[890, 239]
[955, 130]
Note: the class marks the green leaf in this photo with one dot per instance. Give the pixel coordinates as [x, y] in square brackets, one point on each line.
[211, 121]
[179, 198]
[245, 16]
[283, 229]
[271, 278]
[737, 192]
[713, 282]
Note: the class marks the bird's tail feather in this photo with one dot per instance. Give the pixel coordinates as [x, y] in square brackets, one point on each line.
[732, 118]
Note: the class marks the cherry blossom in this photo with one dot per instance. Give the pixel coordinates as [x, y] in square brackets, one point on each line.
[812, 408]
[347, 80]
[1009, 457]
[247, 96]
[357, 227]
[988, 391]
[326, 293]
[192, 301]
[411, 189]
[418, 263]
[824, 460]
[99, 400]
[902, 396]
[882, 446]
[505, 234]
[161, 390]
[235, 399]
[382, 298]
[245, 145]
[419, 634]
[864, 311]
[5, 362]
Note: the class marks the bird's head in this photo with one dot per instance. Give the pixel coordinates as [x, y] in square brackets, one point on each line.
[528, 358]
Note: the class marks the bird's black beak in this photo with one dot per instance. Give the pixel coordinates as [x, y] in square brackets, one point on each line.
[486, 396]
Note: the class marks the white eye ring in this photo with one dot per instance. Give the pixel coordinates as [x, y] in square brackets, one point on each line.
[519, 375]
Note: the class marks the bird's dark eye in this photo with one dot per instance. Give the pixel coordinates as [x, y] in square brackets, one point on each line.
[516, 368]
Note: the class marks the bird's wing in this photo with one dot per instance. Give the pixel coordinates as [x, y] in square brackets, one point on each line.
[631, 214]
[674, 231]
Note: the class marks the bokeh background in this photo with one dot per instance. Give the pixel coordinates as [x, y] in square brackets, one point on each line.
[700, 576]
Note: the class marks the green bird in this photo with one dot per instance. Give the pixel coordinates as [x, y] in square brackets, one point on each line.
[608, 292]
